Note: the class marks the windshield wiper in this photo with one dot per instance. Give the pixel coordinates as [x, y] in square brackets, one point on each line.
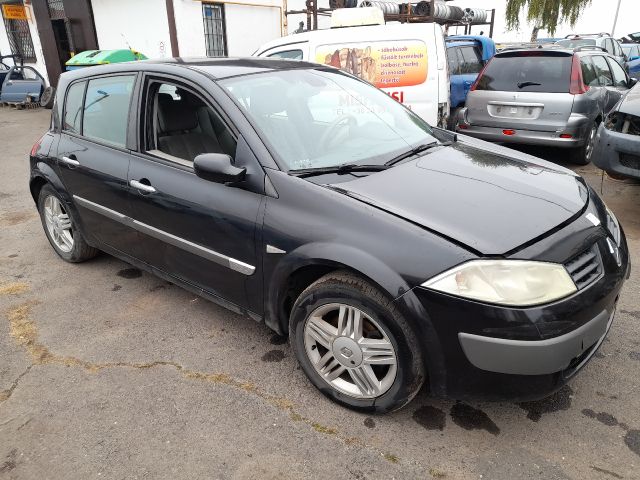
[527, 84]
[416, 150]
[339, 169]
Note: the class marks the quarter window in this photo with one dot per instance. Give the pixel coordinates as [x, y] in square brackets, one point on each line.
[106, 109]
[619, 76]
[73, 108]
[288, 54]
[602, 71]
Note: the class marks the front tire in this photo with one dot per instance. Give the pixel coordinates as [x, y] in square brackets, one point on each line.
[61, 228]
[355, 345]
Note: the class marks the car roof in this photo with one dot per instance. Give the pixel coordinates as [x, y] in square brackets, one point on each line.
[218, 68]
[460, 43]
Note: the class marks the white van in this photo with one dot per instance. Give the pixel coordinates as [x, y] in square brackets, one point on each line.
[407, 61]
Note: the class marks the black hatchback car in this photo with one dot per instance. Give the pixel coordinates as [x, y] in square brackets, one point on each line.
[392, 253]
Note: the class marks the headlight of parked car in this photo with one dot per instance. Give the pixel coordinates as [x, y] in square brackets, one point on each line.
[505, 282]
[623, 123]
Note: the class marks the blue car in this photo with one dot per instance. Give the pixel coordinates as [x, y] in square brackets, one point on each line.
[466, 55]
[632, 52]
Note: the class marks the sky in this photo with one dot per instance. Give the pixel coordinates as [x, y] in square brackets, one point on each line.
[598, 17]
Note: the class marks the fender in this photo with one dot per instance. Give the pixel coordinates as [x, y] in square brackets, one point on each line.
[43, 172]
[340, 256]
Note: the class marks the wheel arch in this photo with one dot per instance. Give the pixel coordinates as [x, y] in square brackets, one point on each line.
[306, 264]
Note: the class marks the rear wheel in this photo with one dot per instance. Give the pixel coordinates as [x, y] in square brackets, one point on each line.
[354, 345]
[582, 155]
[47, 97]
[61, 228]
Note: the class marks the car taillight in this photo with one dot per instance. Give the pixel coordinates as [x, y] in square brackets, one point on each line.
[36, 146]
[475, 84]
[577, 86]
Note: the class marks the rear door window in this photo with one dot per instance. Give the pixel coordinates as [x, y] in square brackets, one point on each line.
[472, 60]
[106, 109]
[589, 72]
[619, 76]
[602, 70]
[531, 72]
[72, 117]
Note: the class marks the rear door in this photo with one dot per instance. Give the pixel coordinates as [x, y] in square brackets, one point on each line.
[612, 78]
[527, 90]
[93, 158]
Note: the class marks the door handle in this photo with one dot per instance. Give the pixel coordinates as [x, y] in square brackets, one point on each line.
[70, 160]
[142, 186]
[9, 82]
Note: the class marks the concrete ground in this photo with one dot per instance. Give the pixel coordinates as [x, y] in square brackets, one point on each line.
[107, 372]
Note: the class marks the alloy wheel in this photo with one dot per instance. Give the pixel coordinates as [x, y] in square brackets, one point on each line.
[58, 224]
[350, 351]
[590, 143]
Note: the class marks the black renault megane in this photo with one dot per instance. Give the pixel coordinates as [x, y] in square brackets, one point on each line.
[392, 253]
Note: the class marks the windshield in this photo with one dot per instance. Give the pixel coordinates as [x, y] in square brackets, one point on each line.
[325, 118]
[576, 43]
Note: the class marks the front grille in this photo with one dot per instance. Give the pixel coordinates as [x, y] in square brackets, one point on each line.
[630, 161]
[585, 268]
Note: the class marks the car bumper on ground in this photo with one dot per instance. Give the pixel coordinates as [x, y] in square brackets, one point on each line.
[617, 152]
[502, 353]
[572, 136]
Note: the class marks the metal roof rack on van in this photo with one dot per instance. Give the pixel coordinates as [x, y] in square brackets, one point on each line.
[576, 35]
[589, 47]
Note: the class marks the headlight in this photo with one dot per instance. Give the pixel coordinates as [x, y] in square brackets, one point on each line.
[613, 226]
[506, 282]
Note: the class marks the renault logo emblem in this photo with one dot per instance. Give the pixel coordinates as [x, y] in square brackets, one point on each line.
[346, 353]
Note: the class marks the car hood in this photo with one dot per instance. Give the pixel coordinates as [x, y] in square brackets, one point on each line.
[480, 197]
[630, 103]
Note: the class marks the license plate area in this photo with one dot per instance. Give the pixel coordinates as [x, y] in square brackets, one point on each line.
[515, 110]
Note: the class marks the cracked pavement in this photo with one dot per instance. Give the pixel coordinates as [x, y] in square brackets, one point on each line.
[109, 372]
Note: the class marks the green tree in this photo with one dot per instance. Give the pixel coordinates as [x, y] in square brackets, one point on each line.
[545, 14]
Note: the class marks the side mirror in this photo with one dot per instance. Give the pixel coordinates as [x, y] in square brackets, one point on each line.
[217, 167]
[632, 82]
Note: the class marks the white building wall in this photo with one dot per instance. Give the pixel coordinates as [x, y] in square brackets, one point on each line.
[142, 25]
[5, 49]
[145, 27]
[249, 27]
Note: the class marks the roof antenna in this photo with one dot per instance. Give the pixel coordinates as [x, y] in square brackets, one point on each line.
[125, 41]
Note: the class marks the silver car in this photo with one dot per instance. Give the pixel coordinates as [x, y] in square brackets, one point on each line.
[545, 96]
[603, 40]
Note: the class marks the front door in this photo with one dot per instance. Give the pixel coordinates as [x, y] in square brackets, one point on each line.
[201, 232]
[93, 159]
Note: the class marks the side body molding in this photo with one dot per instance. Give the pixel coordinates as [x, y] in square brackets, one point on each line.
[174, 240]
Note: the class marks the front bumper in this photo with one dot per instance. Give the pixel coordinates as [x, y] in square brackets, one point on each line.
[536, 357]
[617, 152]
[502, 353]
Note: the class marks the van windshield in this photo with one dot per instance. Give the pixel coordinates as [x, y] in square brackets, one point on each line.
[527, 72]
[325, 118]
